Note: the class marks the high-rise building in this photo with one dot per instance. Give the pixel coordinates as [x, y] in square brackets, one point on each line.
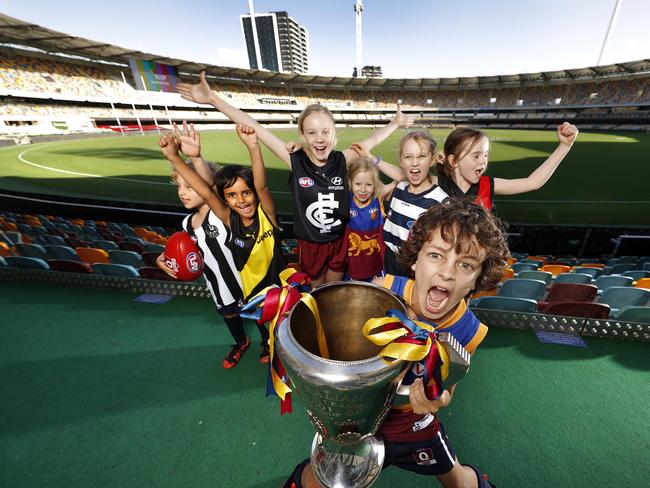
[283, 44]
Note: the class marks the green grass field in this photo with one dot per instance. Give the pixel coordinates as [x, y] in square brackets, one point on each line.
[603, 181]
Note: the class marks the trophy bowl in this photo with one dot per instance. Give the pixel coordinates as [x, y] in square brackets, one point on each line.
[349, 394]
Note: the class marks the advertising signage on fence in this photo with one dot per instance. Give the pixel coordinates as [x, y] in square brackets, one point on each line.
[152, 76]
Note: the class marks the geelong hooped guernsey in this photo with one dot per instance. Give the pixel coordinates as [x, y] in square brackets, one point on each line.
[404, 209]
[219, 267]
[320, 195]
[257, 252]
[481, 193]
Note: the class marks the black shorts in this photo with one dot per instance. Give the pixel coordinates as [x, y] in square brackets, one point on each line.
[435, 456]
[231, 309]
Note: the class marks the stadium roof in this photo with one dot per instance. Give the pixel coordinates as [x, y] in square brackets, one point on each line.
[20, 33]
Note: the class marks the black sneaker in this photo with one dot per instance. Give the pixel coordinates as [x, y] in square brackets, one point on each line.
[235, 354]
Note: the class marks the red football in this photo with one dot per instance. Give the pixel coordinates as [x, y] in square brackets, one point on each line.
[183, 256]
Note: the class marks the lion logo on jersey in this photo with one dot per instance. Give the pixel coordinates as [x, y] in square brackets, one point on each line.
[356, 245]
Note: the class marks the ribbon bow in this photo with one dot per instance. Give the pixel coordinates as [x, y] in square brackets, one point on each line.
[270, 305]
[413, 341]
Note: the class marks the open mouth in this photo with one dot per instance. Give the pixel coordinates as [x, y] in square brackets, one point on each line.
[436, 299]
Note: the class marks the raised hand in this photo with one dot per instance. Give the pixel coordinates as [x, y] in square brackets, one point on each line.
[361, 150]
[247, 135]
[292, 147]
[169, 146]
[403, 120]
[421, 404]
[189, 139]
[198, 93]
[567, 133]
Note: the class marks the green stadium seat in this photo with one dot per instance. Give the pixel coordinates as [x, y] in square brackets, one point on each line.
[26, 262]
[509, 304]
[523, 288]
[573, 278]
[112, 269]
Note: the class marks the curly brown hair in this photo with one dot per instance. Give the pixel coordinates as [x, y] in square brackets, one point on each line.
[464, 225]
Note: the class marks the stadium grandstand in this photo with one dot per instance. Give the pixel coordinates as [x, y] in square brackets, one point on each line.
[78, 242]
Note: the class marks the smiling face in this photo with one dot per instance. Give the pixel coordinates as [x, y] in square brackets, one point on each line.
[241, 199]
[416, 160]
[318, 135]
[186, 194]
[444, 276]
[471, 164]
[363, 187]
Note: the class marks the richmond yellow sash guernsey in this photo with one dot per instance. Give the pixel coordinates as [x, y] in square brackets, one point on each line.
[257, 252]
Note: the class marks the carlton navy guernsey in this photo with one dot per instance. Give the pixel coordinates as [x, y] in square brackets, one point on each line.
[321, 199]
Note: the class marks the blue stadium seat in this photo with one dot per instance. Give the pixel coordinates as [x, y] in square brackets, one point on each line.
[126, 257]
[606, 281]
[544, 276]
[618, 297]
[62, 252]
[634, 314]
[32, 251]
[112, 269]
[157, 248]
[105, 245]
[593, 272]
[523, 288]
[47, 239]
[26, 262]
[537, 262]
[637, 274]
[510, 304]
[620, 268]
[518, 267]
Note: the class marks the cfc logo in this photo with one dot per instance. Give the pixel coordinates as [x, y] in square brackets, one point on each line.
[319, 213]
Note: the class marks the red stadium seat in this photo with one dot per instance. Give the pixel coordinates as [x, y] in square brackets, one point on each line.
[588, 310]
[70, 266]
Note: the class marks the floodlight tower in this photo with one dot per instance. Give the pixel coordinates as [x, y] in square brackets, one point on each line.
[612, 21]
[358, 8]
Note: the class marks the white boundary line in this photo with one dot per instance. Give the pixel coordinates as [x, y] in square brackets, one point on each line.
[26, 161]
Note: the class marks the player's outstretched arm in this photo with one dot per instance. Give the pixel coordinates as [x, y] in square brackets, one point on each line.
[169, 146]
[566, 134]
[379, 135]
[201, 93]
[395, 173]
[249, 138]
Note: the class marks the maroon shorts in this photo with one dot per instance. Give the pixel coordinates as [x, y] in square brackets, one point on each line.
[316, 258]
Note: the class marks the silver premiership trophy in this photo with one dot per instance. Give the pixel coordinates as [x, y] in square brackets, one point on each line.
[349, 395]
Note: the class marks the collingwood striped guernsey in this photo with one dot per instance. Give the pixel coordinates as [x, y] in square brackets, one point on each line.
[403, 210]
[221, 274]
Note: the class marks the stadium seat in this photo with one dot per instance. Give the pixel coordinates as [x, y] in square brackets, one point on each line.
[519, 267]
[634, 314]
[131, 246]
[568, 292]
[70, 266]
[523, 288]
[113, 269]
[620, 268]
[592, 265]
[154, 273]
[541, 257]
[510, 304]
[637, 274]
[628, 259]
[556, 269]
[588, 261]
[26, 262]
[2, 261]
[130, 258]
[32, 251]
[606, 281]
[536, 262]
[593, 272]
[5, 250]
[618, 297]
[74, 242]
[105, 245]
[646, 267]
[643, 283]
[519, 255]
[588, 310]
[157, 248]
[149, 258]
[93, 255]
[573, 278]
[566, 261]
[62, 252]
[544, 276]
[507, 272]
[46, 239]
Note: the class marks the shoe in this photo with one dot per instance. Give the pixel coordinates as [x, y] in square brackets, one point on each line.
[266, 353]
[235, 354]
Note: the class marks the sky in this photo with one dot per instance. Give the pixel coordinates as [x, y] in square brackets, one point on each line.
[408, 39]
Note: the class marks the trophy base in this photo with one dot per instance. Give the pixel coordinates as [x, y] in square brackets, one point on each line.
[354, 466]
